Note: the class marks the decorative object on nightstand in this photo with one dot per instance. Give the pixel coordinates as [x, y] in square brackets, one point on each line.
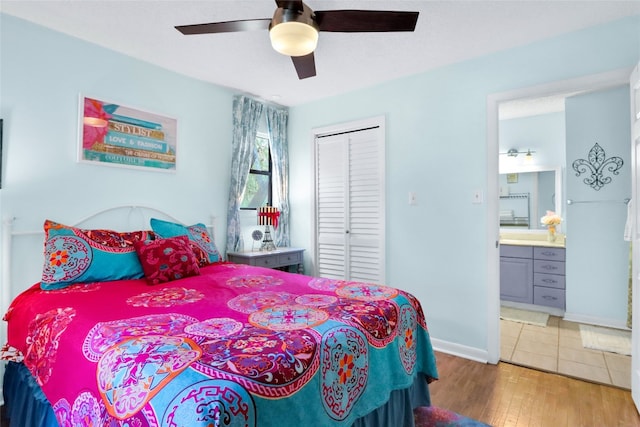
[256, 236]
[268, 216]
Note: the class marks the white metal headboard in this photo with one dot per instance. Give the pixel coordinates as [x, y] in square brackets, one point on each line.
[120, 218]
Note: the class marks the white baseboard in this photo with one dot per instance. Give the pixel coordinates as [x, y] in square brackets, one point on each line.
[598, 321]
[460, 350]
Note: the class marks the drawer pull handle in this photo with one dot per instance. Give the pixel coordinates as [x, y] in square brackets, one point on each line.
[549, 298]
[549, 267]
[547, 253]
[549, 281]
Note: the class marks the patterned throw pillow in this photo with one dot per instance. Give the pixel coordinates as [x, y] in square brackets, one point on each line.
[201, 242]
[74, 255]
[164, 260]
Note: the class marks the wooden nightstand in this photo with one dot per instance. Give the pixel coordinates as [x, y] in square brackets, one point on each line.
[281, 258]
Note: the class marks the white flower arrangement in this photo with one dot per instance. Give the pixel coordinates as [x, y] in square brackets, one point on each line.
[551, 218]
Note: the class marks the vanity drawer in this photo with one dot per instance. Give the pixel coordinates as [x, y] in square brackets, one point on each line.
[549, 280]
[552, 254]
[514, 251]
[551, 297]
[550, 267]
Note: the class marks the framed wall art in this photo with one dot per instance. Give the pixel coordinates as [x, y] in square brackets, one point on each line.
[116, 135]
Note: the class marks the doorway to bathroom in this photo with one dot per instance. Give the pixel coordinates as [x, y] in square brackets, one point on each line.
[557, 346]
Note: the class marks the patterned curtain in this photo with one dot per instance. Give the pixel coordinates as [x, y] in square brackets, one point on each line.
[246, 114]
[277, 127]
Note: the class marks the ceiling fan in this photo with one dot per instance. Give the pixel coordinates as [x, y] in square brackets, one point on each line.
[294, 28]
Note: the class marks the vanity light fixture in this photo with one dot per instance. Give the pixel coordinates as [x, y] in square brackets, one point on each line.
[529, 156]
[514, 153]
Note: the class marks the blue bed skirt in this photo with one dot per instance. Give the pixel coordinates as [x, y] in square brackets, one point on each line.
[27, 406]
[24, 402]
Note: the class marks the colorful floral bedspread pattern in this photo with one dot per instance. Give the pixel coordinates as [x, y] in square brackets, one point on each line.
[235, 346]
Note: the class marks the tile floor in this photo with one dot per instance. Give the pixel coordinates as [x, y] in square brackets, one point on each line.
[558, 348]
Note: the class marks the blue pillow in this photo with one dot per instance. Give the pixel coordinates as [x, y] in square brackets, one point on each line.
[73, 255]
[201, 242]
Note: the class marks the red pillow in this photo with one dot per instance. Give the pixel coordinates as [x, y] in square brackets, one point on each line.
[164, 260]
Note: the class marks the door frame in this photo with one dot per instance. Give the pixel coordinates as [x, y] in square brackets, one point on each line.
[594, 82]
[634, 86]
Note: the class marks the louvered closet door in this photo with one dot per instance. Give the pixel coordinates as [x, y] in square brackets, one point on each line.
[350, 205]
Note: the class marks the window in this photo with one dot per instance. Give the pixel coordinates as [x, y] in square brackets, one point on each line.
[258, 189]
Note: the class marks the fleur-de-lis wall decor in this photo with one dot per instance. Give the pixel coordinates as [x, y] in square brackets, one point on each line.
[595, 166]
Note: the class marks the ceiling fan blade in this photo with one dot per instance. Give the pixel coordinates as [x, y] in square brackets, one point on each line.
[295, 5]
[352, 21]
[225, 27]
[305, 65]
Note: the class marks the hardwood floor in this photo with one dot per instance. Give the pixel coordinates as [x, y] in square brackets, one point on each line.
[506, 395]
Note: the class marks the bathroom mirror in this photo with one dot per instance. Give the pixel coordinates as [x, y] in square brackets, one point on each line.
[527, 193]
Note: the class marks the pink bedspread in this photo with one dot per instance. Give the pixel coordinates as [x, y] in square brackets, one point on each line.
[236, 345]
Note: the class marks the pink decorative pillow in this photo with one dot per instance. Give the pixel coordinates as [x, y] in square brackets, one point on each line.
[164, 260]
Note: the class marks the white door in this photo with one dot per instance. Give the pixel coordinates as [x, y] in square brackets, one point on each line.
[350, 204]
[634, 86]
[331, 205]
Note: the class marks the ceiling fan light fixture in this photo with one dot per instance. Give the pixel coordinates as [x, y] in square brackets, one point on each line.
[294, 28]
[293, 38]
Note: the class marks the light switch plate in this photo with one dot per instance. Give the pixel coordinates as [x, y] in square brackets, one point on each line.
[478, 197]
[412, 198]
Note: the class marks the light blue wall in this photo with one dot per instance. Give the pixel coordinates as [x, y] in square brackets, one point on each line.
[42, 74]
[597, 255]
[436, 135]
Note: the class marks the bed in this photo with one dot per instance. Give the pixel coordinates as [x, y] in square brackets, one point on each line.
[194, 341]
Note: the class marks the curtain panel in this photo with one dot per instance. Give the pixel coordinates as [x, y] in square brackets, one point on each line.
[277, 127]
[246, 114]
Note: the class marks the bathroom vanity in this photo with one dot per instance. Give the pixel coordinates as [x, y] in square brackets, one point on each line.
[532, 270]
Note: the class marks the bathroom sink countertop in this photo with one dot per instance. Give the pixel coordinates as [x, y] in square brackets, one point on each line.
[531, 239]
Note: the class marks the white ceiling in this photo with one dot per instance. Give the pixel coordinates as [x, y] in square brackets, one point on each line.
[447, 32]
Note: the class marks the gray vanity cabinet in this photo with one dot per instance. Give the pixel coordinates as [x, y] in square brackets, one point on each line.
[533, 275]
[516, 273]
[549, 277]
